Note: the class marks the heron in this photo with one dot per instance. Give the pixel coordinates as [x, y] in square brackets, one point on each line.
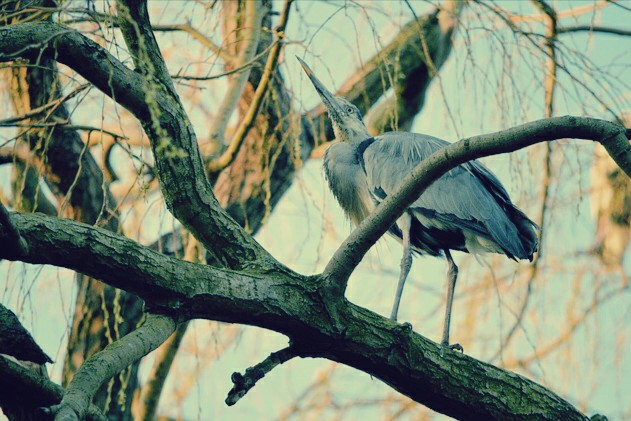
[467, 209]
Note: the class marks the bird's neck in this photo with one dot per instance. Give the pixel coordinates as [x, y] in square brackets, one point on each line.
[351, 134]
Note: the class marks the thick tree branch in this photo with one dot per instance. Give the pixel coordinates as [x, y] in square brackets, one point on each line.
[325, 326]
[178, 162]
[349, 254]
[109, 362]
[163, 281]
[133, 19]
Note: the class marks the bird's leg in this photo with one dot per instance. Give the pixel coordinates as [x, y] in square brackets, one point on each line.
[451, 286]
[406, 262]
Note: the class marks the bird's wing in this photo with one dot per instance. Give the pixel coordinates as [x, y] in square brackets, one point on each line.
[467, 199]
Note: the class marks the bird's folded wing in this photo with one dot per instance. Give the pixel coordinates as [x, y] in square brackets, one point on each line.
[465, 199]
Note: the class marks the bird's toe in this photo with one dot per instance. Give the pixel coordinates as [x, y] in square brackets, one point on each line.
[453, 347]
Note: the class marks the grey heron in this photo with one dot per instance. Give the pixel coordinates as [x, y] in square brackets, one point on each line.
[467, 209]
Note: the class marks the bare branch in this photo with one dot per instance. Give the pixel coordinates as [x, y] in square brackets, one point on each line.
[133, 19]
[110, 361]
[403, 64]
[594, 29]
[62, 124]
[244, 382]
[254, 62]
[176, 151]
[550, 84]
[350, 253]
[573, 12]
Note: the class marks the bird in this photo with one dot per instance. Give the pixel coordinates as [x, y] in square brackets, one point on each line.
[467, 209]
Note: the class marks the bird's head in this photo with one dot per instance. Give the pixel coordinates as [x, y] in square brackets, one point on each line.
[346, 119]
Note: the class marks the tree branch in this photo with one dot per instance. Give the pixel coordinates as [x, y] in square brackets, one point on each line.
[244, 382]
[105, 364]
[72, 172]
[594, 29]
[133, 19]
[349, 254]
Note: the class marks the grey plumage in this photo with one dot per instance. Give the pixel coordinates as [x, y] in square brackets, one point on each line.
[467, 209]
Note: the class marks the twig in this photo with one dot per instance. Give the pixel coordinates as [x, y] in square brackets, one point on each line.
[36, 111]
[230, 153]
[246, 66]
[206, 42]
[244, 382]
[16, 239]
[112, 21]
[561, 14]
[349, 254]
[595, 29]
[63, 125]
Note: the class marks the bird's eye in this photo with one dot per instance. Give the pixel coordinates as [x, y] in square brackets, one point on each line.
[349, 110]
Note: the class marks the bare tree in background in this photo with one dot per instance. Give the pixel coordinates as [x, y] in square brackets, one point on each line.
[221, 166]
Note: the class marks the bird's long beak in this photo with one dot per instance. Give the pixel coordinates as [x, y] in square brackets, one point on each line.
[327, 97]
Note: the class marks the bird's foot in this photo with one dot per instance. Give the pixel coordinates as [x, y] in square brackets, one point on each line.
[404, 328]
[453, 347]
